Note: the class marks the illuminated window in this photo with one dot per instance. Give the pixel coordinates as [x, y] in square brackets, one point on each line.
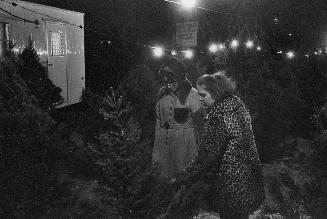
[56, 43]
[4, 37]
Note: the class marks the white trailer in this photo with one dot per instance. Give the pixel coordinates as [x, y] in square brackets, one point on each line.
[58, 37]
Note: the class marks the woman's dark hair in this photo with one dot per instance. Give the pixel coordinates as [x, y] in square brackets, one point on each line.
[176, 69]
[217, 84]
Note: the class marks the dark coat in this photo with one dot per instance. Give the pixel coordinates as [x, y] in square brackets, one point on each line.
[228, 148]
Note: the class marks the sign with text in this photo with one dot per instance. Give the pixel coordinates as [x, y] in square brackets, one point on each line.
[187, 34]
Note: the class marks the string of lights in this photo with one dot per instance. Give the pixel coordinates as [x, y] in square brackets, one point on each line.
[159, 51]
[218, 47]
[234, 44]
[214, 49]
[14, 4]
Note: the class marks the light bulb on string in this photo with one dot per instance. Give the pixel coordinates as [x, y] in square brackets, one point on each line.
[221, 47]
[188, 54]
[249, 44]
[276, 20]
[189, 3]
[234, 44]
[158, 51]
[173, 53]
[213, 48]
[290, 54]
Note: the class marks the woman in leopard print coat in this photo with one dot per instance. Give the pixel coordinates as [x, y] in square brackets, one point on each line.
[228, 148]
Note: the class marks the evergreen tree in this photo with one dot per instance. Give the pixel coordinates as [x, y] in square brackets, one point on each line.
[36, 77]
[29, 147]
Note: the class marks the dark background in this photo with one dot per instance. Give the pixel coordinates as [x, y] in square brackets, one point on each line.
[114, 29]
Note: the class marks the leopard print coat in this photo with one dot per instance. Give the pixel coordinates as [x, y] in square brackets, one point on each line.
[228, 148]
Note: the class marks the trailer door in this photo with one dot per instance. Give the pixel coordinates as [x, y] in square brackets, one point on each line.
[57, 57]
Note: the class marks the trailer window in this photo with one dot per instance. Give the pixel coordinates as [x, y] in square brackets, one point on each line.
[56, 43]
[4, 37]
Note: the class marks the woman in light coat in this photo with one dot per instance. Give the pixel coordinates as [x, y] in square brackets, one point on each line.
[179, 116]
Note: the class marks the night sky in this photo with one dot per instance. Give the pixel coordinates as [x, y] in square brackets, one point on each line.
[152, 20]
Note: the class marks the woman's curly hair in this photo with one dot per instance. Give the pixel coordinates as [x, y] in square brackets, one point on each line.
[217, 84]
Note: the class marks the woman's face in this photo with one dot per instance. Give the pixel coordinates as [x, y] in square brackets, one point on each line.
[171, 82]
[170, 78]
[206, 96]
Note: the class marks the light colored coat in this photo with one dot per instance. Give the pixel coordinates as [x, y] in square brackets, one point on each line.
[176, 142]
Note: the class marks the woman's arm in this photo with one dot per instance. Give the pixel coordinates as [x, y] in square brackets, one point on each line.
[198, 112]
[155, 152]
[157, 126]
[210, 150]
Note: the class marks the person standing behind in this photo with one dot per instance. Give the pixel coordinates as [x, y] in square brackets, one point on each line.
[179, 116]
[227, 148]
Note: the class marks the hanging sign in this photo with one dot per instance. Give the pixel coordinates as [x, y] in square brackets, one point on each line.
[187, 34]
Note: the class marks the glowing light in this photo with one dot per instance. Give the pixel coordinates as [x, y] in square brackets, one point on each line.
[158, 51]
[276, 20]
[306, 55]
[188, 54]
[249, 44]
[189, 3]
[221, 46]
[213, 48]
[259, 48]
[316, 53]
[173, 53]
[280, 52]
[234, 44]
[290, 55]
